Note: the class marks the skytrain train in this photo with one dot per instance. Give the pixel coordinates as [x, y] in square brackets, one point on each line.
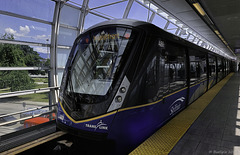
[124, 79]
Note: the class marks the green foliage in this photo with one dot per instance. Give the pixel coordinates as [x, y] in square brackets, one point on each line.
[16, 80]
[11, 56]
[32, 58]
[17, 56]
[8, 36]
[47, 63]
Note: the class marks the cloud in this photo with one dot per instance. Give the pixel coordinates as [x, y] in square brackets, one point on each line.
[24, 30]
[38, 28]
[41, 49]
[10, 31]
[42, 37]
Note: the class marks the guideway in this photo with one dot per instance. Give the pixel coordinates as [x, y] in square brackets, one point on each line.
[61, 143]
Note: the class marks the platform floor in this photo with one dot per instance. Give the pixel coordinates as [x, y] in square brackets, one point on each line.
[217, 129]
[211, 125]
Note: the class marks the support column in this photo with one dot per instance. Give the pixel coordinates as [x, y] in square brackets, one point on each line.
[152, 17]
[166, 26]
[128, 7]
[84, 12]
[53, 56]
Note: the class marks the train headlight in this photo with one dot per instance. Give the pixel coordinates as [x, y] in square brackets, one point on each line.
[123, 90]
[118, 99]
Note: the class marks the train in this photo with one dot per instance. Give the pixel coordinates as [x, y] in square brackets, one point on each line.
[124, 79]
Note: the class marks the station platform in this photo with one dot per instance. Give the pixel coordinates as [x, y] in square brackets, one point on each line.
[210, 125]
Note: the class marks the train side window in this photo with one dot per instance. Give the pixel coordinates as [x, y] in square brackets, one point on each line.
[212, 66]
[219, 68]
[153, 89]
[154, 83]
[175, 69]
[227, 67]
[148, 86]
[224, 67]
[198, 66]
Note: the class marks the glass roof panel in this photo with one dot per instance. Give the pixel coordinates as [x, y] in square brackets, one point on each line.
[66, 36]
[172, 26]
[62, 56]
[75, 2]
[69, 16]
[91, 20]
[25, 30]
[138, 12]
[159, 21]
[115, 10]
[97, 3]
[41, 9]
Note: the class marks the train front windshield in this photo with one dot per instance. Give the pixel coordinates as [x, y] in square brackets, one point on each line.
[98, 57]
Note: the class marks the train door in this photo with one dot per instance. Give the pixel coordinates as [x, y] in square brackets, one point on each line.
[175, 81]
[198, 74]
[212, 71]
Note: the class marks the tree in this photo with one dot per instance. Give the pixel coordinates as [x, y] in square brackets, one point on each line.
[17, 80]
[32, 58]
[13, 56]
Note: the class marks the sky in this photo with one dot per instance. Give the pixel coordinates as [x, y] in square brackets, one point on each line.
[26, 30]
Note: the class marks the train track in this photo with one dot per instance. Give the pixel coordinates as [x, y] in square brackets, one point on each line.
[34, 143]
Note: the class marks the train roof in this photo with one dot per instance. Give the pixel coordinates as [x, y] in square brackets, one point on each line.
[150, 28]
[129, 22]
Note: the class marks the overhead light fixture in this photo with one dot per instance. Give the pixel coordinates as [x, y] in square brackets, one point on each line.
[199, 9]
[159, 11]
[217, 32]
[183, 32]
[146, 2]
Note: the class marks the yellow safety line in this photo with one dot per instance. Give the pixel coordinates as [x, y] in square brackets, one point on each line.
[162, 141]
[32, 144]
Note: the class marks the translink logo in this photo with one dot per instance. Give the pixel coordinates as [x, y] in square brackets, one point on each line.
[100, 125]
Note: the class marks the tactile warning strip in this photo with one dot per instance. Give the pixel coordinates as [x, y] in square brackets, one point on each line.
[162, 141]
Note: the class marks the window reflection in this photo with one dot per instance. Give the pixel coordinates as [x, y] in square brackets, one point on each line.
[219, 68]
[175, 69]
[165, 73]
[212, 66]
[98, 59]
[175, 77]
[198, 66]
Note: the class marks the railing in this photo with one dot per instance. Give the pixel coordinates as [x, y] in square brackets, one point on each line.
[26, 92]
[28, 117]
